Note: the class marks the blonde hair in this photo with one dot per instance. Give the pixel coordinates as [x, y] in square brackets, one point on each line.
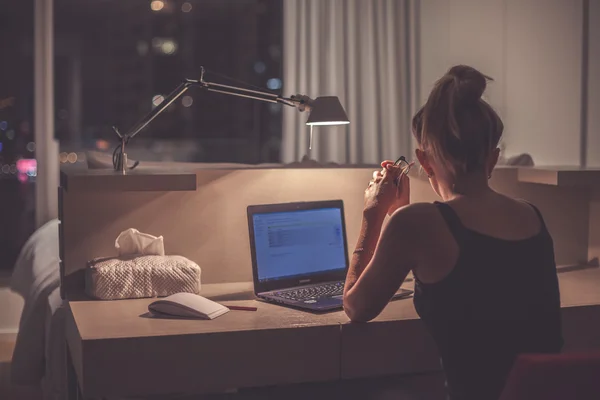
[456, 126]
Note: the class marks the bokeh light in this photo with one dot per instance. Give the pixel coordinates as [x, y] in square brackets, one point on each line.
[260, 67]
[274, 83]
[157, 5]
[157, 99]
[186, 7]
[187, 101]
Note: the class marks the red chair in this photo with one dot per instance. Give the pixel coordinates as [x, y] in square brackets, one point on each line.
[567, 376]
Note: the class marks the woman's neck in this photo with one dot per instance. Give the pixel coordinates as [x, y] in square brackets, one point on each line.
[468, 185]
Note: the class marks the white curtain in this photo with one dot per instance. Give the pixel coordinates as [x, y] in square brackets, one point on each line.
[366, 53]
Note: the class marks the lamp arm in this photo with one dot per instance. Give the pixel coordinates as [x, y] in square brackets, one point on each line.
[299, 101]
[174, 95]
[120, 158]
[294, 101]
[119, 155]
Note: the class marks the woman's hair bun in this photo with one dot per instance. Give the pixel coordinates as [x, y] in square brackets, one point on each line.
[469, 83]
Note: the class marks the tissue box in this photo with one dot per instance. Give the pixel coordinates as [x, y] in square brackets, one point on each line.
[141, 276]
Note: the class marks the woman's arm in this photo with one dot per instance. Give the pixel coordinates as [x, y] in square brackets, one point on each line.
[379, 264]
[365, 246]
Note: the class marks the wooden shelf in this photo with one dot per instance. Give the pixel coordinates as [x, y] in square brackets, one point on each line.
[560, 176]
[184, 179]
[107, 180]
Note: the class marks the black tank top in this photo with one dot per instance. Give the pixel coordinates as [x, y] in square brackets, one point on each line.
[501, 299]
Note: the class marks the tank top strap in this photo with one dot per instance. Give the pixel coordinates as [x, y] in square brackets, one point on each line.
[538, 213]
[452, 220]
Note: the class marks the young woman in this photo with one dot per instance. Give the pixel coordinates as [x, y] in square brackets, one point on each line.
[485, 276]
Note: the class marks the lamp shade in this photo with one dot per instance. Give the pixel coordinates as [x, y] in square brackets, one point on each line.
[327, 110]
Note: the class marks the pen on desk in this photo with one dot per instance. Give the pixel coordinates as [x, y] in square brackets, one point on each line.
[241, 308]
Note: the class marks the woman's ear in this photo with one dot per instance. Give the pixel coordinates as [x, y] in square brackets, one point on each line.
[422, 157]
[493, 160]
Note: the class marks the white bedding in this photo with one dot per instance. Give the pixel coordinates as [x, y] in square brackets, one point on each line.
[54, 382]
[39, 357]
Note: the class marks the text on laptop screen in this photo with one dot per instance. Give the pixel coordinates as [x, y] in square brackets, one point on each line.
[296, 243]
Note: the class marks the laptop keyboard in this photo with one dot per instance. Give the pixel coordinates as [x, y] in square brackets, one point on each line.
[313, 292]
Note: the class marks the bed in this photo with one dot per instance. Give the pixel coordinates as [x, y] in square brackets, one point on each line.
[38, 358]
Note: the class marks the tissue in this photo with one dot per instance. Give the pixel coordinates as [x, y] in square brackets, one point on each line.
[140, 270]
[132, 242]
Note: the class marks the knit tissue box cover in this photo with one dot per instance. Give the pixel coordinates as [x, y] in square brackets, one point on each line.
[141, 276]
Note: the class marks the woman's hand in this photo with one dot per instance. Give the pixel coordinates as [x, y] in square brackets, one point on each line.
[388, 190]
[402, 183]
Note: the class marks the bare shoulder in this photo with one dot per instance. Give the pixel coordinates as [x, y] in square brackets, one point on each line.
[520, 208]
[417, 216]
[420, 226]
[415, 210]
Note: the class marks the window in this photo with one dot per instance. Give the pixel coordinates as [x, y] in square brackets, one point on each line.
[115, 60]
[17, 150]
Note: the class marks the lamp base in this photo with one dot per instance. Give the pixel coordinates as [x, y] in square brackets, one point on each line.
[307, 162]
[120, 157]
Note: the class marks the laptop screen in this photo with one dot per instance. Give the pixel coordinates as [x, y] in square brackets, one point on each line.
[297, 243]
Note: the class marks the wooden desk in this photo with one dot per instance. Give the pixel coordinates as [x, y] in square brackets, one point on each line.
[580, 300]
[396, 342]
[117, 350]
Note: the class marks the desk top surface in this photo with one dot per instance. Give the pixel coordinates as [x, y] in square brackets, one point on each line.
[130, 318]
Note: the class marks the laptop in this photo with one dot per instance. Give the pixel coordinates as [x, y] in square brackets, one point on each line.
[300, 254]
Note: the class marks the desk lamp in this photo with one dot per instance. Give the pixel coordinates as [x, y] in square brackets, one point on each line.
[326, 110]
[323, 111]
